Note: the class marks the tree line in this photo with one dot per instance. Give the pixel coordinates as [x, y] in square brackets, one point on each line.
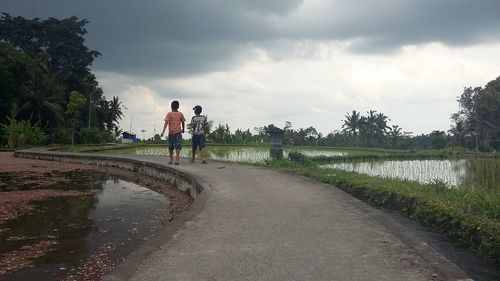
[475, 126]
[48, 93]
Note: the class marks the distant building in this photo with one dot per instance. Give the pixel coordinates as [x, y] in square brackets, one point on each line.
[407, 134]
[129, 137]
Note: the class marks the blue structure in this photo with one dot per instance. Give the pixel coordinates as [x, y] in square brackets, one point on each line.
[129, 138]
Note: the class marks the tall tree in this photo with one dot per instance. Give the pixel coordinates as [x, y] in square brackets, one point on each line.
[352, 124]
[13, 75]
[43, 94]
[458, 131]
[74, 108]
[479, 114]
[395, 134]
[61, 40]
[381, 127]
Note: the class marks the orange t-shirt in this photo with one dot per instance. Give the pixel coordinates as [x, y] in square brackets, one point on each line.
[174, 120]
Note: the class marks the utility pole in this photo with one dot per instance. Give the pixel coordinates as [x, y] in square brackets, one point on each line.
[131, 117]
[90, 107]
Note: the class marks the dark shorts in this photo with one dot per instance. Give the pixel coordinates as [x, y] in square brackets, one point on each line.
[198, 141]
[175, 141]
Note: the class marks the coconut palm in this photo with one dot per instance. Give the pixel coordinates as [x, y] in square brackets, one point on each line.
[112, 111]
[381, 127]
[115, 108]
[352, 124]
[395, 134]
[41, 91]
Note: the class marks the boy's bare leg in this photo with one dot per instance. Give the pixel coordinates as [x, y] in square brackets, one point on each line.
[177, 153]
[171, 155]
[203, 154]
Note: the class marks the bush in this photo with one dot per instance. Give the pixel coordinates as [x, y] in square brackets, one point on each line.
[485, 148]
[22, 134]
[3, 135]
[297, 157]
[61, 135]
[94, 135]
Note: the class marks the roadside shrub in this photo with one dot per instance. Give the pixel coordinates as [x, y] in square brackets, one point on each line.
[454, 150]
[94, 135]
[22, 134]
[3, 135]
[485, 148]
[300, 158]
[438, 186]
[61, 135]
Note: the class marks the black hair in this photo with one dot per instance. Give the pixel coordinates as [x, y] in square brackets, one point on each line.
[174, 105]
[197, 109]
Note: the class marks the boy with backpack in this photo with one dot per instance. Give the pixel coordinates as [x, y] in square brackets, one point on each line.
[198, 126]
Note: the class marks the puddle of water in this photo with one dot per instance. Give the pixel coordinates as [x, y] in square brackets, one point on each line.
[119, 212]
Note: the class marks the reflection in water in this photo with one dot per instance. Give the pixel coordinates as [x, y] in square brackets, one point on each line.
[239, 153]
[119, 212]
[482, 173]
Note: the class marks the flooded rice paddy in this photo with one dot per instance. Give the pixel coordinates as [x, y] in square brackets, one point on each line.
[481, 173]
[67, 237]
[248, 154]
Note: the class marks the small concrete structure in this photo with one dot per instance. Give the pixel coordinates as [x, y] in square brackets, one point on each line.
[129, 138]
[276, 149]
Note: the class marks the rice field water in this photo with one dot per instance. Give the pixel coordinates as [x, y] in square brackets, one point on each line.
[245, 154]
[481, 173]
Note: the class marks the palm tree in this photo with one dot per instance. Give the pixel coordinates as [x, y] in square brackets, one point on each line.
[381, 127]
[352, 125]
[115, 107]
[395, 133]
[112, 113]
[221, 134]
[41, 90]
[368, 127]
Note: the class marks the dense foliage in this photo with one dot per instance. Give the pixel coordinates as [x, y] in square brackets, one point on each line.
[477, 123]
[46, 82]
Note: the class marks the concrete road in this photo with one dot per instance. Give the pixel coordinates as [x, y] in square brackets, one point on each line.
[258, 224]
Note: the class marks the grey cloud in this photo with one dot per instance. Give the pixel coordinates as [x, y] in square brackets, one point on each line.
[175, 38]
[395, 24]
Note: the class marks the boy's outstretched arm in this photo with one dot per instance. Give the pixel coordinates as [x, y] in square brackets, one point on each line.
[164, 127]
[183, 125]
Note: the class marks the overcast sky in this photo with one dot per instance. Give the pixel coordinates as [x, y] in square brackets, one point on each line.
[252, 63]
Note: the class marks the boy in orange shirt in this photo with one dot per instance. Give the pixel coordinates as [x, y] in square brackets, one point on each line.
[175, 121]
